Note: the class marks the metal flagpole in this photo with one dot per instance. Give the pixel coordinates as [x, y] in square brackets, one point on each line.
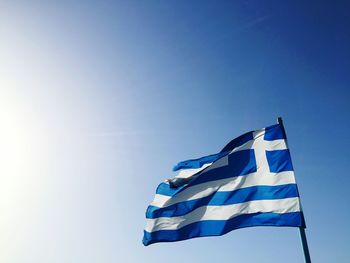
[301, 229]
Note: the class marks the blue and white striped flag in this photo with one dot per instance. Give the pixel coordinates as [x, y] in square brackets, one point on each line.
[250, 182]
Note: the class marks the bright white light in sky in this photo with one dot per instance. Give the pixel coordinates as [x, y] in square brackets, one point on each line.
[22, 138]
[57, 179]
[12, 139]
[23, 144]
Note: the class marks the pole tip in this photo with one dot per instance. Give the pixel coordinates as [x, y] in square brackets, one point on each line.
[279, 120]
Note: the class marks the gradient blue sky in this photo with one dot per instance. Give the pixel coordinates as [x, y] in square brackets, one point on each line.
[99, 99]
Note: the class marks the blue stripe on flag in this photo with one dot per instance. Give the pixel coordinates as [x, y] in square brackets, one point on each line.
[239, 163]
[165, 189]
[220, 227]
[279, 161]
[225, 198]
[198, 163]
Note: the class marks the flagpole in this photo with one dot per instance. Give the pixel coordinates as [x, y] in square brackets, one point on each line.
[301, 229]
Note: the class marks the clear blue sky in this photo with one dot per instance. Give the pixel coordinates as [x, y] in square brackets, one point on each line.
[99, 99]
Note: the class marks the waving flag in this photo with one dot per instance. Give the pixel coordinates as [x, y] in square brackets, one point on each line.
[250, 182]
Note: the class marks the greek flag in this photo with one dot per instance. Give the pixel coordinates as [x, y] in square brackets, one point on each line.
[250, 182]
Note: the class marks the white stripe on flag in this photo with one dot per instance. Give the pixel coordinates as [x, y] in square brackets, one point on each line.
[224, 213]
[225, 185]
[186, 173]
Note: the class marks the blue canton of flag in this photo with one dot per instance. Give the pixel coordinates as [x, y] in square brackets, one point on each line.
[250, 182]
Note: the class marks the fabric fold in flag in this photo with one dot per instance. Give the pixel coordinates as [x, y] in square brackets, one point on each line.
[250, 182]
